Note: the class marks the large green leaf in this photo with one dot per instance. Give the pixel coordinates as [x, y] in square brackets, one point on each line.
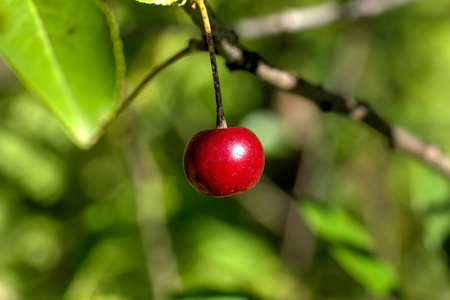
[68, 54]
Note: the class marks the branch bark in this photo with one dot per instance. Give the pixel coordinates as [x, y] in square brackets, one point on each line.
[238, 58]
[297, 19]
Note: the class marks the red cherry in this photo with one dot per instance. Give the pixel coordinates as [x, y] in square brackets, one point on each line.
[224, 162]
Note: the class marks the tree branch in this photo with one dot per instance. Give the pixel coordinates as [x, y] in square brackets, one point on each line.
[297, 19]
[239, 58]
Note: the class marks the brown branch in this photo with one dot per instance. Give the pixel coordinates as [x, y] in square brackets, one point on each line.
[297, 19]
[239, 58]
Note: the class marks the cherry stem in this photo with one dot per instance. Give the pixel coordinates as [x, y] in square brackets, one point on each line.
[221, 122]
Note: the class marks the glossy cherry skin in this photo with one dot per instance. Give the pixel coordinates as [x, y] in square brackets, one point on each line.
[224, 162]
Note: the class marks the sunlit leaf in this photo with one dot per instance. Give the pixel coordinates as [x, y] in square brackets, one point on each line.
[371, 272]
[334, 224]
[232, 256]
[68, 54]
[428, 188]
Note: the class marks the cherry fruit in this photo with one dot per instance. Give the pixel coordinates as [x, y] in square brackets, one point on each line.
[224, 161]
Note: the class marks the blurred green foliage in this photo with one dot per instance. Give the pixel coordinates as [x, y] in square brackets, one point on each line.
[337, 214]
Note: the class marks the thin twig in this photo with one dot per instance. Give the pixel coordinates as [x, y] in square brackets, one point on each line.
[152, 74]
[128, 100]
[239, 58]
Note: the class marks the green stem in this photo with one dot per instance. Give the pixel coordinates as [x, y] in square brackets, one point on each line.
[221, 122]
[144, 82]
[152, 74]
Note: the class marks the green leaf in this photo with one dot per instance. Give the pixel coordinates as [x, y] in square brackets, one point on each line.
[335, 225]
[162, 2]
[373, 273]
[68, 54]
[428, 188]
[231, 256]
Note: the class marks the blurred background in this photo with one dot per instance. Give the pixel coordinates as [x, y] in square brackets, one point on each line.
[336, 215]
